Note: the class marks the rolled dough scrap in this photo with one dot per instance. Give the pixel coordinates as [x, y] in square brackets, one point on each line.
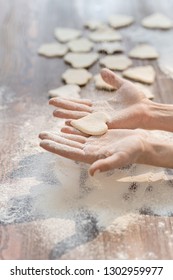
[76, 76]
[81, 60]
[110, 47]
[92, 124]
[118, 21]
[66, 34]
[80, 45]
[67, 91]
[157, 20]
[145, 89]
[144, 51]
[53, 50]
[101, 84]
[93, 24]
[144, 177]
[105, 34]
[116, 62]
[144, 74]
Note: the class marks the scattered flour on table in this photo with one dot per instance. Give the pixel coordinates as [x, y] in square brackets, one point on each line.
[116, 194]
[44, 186]
[7, 96]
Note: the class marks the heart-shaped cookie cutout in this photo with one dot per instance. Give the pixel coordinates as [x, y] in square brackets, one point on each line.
[76, 76]
[81, 60]
[145, 74]
[64, 34]
[157, 20]
[67, 91]
[92, 124]
[53, 50]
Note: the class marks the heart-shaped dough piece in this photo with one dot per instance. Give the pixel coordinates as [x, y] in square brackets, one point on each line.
[105, 34]
[67, 91]
[157, 20]
[80, 45]
[92, 124]
[118, 21]
[144, 51]
[116, 62]
[81, 60]
[144, 74]
[76, 76]
[53, 50]
[66, 34]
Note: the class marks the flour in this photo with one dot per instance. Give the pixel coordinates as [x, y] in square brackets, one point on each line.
[112, 202]
[7, 96]
[121, 223]
[113, 195]
[50, 187]
[161, 225]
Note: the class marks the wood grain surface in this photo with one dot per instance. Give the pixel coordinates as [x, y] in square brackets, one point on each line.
[27, 173]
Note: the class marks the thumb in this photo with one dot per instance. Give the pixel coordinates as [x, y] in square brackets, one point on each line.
[116, 160]
[111, 78]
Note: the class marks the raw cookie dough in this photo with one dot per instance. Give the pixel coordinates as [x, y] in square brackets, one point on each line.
[80, 45]
[77, 76]
[143, 51]
[157, 20]
[110, 47]
[53, 50]
[105, 34]
[81, 60]
[101, 84]
[93, 24]
[66, 34]
[92, 124]
[116, 62]
[145, 89]
[67, 91]
[144, 74]
[118, 21]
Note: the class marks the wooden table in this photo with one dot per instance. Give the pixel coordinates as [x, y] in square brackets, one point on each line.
[36, 219]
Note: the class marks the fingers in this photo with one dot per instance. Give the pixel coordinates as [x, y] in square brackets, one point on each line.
[63, 150]
[68, 114]
[88, 102]
[71, 105]
[73, 109]
[77, 138]
[111, 78]
[54, 101]
[72, 130]
[69, 141]
[117, 160]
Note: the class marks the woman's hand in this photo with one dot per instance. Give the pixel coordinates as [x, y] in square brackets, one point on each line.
[114, 149]
[128, 109]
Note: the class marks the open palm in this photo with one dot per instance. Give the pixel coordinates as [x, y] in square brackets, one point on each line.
[127, 109]
[114, 149]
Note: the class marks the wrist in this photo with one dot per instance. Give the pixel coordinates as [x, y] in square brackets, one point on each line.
[147, 114]
[155, 152]
[157, 116]
[145, 146]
